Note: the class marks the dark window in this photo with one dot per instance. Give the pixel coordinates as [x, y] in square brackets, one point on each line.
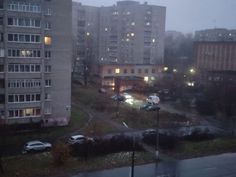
[1, 4]
[1, 37]
[37, 97]
[28, 98]
[109, 71]
[125, 71]
[132, 71]
[2, 83]
[1, 20]
[146, 71]
[1, 68]
[10, 98]
[153, 70]
[10, 37]
[22, 98]
[139, 71]
[2, 99]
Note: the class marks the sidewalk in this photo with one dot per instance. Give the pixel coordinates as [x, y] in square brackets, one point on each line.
[212, 166]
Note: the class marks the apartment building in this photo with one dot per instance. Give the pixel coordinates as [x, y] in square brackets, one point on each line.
[126, 33]
[215, 52]
[132, 33]
[35, 61]
[85, 25]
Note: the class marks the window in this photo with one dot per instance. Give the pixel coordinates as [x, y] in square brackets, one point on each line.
[48, 11]
[109, 71]
[1, 37]
[2, 83]
[47, 96]
[146, 71]
[2, 52]
[1, 68]
[24, 38]
[153, 71]
[48, 110]
[47, 54]
[1, 20]
[24, 83]
[24, 98]
[24, 22]
[1, 4]
[132, 71]
[23, 53]
[47, 40]
[48, 68]
[48, 83]
[125, 71]
[139, 71]
[22, 6]
[2, 99]
[14, 68]
[48, 26]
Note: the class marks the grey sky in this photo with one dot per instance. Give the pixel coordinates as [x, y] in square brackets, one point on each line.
[190, 15]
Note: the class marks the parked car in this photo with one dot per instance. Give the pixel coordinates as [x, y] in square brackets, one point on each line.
[153, 107]
[78, 139]
[153, 99]
[149, 132]
[36, 146]
[118, 98]
[145, 106]
[127, 96]
[102, 90]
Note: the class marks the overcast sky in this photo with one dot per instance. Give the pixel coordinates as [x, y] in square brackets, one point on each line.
[190, 15]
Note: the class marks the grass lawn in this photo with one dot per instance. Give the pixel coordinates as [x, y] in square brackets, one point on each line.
[42, 164]
[204, 148]
[78, 119]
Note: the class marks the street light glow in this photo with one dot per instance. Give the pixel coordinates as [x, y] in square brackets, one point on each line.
[166, 68]
[175, 70]
[146, 79]
[192, 71]
[117, 70]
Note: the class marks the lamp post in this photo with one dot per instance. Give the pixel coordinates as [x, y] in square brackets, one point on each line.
[157, 134]
[117, 88]
[133, 153]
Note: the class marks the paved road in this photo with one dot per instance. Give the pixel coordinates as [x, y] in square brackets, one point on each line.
[212, 166]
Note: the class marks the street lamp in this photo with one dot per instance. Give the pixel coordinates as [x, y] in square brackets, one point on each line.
[133, 153]
[117, 89]
[157, 133]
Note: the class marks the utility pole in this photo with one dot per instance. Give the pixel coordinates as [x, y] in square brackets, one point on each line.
[157, 134]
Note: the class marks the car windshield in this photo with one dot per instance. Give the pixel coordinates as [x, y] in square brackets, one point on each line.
[118, 88]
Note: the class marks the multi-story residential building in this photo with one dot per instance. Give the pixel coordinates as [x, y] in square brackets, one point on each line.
[85, 33]
[132, 33]
[35, 61]
[125, 33]
[215, 51]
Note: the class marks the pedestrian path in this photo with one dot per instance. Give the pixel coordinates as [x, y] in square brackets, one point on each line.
[212, 166]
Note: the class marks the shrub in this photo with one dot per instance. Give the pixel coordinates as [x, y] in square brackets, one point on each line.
[60, 153]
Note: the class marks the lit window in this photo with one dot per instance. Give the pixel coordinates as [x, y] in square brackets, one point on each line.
[47, 40]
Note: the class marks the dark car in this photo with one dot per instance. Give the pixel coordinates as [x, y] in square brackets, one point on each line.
[118, 98]
[145, 106]
[153, 107]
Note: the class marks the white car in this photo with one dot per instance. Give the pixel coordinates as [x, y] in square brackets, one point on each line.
[153, 99]
[36, 146]
[77, 139]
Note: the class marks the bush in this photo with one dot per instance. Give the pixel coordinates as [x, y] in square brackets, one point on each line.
[60, 153]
